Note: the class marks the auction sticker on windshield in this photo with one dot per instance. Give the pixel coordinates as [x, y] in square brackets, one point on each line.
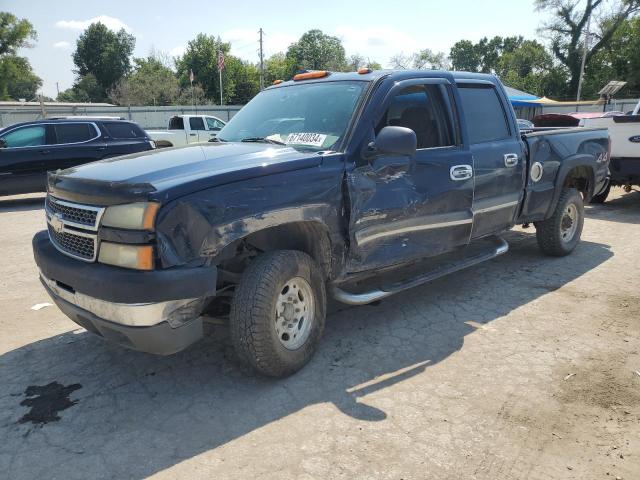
[311, 139]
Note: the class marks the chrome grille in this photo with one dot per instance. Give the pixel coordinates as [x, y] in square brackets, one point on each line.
[73, 228]
[72, 243]
[86, 216]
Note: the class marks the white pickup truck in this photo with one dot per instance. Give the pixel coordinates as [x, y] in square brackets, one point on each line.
[185, 129]
[624, 131]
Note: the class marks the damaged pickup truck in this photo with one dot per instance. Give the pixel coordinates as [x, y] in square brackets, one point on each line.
[351, 185]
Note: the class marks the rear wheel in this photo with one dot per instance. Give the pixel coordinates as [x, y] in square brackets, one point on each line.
[278, 312]
[559, 234]
[602, 196]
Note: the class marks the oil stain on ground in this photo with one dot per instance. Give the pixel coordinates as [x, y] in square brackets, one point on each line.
[46, 401]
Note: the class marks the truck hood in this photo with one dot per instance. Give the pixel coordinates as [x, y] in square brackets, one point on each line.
[165, 174]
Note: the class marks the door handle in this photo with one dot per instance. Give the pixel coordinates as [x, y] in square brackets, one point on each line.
[460, 172]
[45, 152]
[510, 159]
[101, 148]
[192, 134]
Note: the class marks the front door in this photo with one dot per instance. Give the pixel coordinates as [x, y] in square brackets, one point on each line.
[497, 152]
[23, 156]
[403, 209]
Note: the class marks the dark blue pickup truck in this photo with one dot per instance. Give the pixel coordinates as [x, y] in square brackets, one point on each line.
[350, 185]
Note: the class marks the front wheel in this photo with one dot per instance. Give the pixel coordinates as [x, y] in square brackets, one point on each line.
[559, 234]
[278, 312]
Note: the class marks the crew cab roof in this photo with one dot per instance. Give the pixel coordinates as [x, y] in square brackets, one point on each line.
[396, 75]
[67, 120]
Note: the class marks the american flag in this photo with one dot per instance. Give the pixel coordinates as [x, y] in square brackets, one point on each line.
[220, 60]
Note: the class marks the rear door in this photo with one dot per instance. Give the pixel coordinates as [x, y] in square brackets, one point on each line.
[497, 157]
[403, 209]
[75, 143]
[198, 131]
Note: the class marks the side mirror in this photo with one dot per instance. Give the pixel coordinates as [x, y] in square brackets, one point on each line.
[394, 141]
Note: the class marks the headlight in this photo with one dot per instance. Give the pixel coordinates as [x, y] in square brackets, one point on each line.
[134, 216]
[127, 256]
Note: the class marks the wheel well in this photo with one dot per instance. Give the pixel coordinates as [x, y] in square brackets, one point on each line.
[163, 144]
[310, 237]
[580, 178]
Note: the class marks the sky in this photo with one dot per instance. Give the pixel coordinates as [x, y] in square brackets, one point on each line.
[374, 29]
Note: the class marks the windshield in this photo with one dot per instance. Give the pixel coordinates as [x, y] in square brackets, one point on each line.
[308, 116]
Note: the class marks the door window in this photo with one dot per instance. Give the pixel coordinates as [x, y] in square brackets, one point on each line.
[485, 116]
[214, 124]
[196, 123]
[31, 136]
[74, 132]
[123, 130]
[423, 109]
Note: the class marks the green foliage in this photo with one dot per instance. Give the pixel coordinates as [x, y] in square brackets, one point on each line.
[105, 55]
[14, 33]
[86, 89]
[201, 57]
[17, 79]
[150, 83]
[317, 51]
[278, 67]
[568, 20]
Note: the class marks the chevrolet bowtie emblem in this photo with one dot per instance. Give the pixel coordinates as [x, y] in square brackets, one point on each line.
[56, 223]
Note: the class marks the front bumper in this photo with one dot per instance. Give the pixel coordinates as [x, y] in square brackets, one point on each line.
[155, 312]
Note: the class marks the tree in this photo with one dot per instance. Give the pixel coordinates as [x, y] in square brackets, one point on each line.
[570, 18]
[14, 33]
[17, 79]
[464, 56]
[201, 57]
[317, 51]
[429, 60]
[85, 89]
[150, 83]
[105, 55]
[278, 67]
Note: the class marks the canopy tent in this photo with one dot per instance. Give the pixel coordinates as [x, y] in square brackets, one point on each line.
[519, 98]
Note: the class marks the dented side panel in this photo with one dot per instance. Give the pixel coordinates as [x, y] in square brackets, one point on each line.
[197, 227]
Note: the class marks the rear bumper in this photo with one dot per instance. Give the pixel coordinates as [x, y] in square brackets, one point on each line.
[625, 170]
[156, 312]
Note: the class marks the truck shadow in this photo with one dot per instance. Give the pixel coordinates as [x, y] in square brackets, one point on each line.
[621, 208]
[141, 414]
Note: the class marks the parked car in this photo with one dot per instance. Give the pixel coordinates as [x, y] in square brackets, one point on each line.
[29, 150]
[525, 126]
[624, 131]
[186, 129]
[350, 185]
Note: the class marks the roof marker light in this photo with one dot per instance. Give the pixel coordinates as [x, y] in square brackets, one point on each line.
[277, 82]
[308, 75]
[364, 70]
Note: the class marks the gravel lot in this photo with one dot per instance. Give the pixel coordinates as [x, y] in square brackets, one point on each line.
[525, 367]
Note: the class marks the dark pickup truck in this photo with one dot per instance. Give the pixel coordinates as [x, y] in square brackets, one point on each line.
[353, 185]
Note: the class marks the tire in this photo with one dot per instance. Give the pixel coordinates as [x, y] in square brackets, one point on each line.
[559, 234]
[265, 320]
[602, 196]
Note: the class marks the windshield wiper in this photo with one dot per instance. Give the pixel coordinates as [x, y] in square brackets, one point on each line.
[262, 140]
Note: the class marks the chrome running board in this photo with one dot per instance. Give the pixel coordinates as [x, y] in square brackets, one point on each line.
[500, 246]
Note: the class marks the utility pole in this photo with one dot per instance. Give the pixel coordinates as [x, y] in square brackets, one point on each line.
[585, 48]
[261, 62]
[57, 88]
